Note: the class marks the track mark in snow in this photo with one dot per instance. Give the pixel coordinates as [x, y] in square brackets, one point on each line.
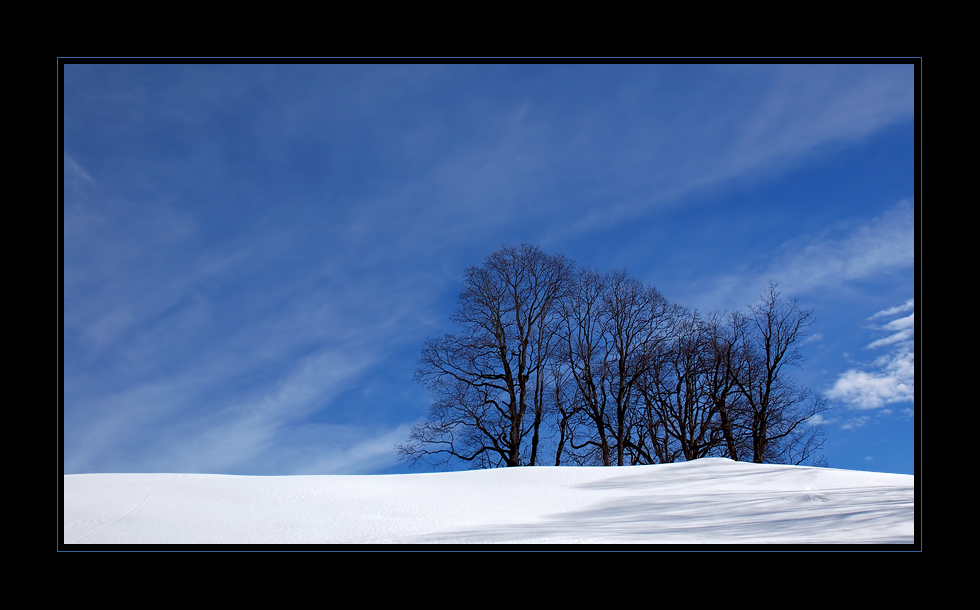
[811, 498]
[128, 513]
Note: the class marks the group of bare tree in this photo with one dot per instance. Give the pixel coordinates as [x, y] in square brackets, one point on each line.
[608, 371]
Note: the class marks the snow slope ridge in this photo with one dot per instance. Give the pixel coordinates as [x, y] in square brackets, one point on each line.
[711, 500]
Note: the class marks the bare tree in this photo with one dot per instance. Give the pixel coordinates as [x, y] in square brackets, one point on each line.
[680, 390]
[563, 406]
[723, 366]
[610, 372]
[637, 323]
[611, 325]
[778, 410]
[585, 354]
[653, 445]
[487, 381]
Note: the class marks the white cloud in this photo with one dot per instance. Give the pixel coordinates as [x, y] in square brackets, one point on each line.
[865, 390]
[907, 306]
[905, 335]
[905, 327]
[901, 323]
[892, 378]
[857, 422]
[819, 419]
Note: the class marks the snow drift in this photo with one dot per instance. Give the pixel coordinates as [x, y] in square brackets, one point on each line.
[710, 500]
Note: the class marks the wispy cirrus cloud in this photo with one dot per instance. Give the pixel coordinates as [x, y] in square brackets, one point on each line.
[849, 252]
[789, 112]
[171, 427]
[884, 244]
[75, 173]
[248, 248]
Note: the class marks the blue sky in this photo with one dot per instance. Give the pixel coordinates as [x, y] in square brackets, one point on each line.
[254, 255]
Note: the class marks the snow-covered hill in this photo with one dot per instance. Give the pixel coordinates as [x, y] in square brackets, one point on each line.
[706, 501]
